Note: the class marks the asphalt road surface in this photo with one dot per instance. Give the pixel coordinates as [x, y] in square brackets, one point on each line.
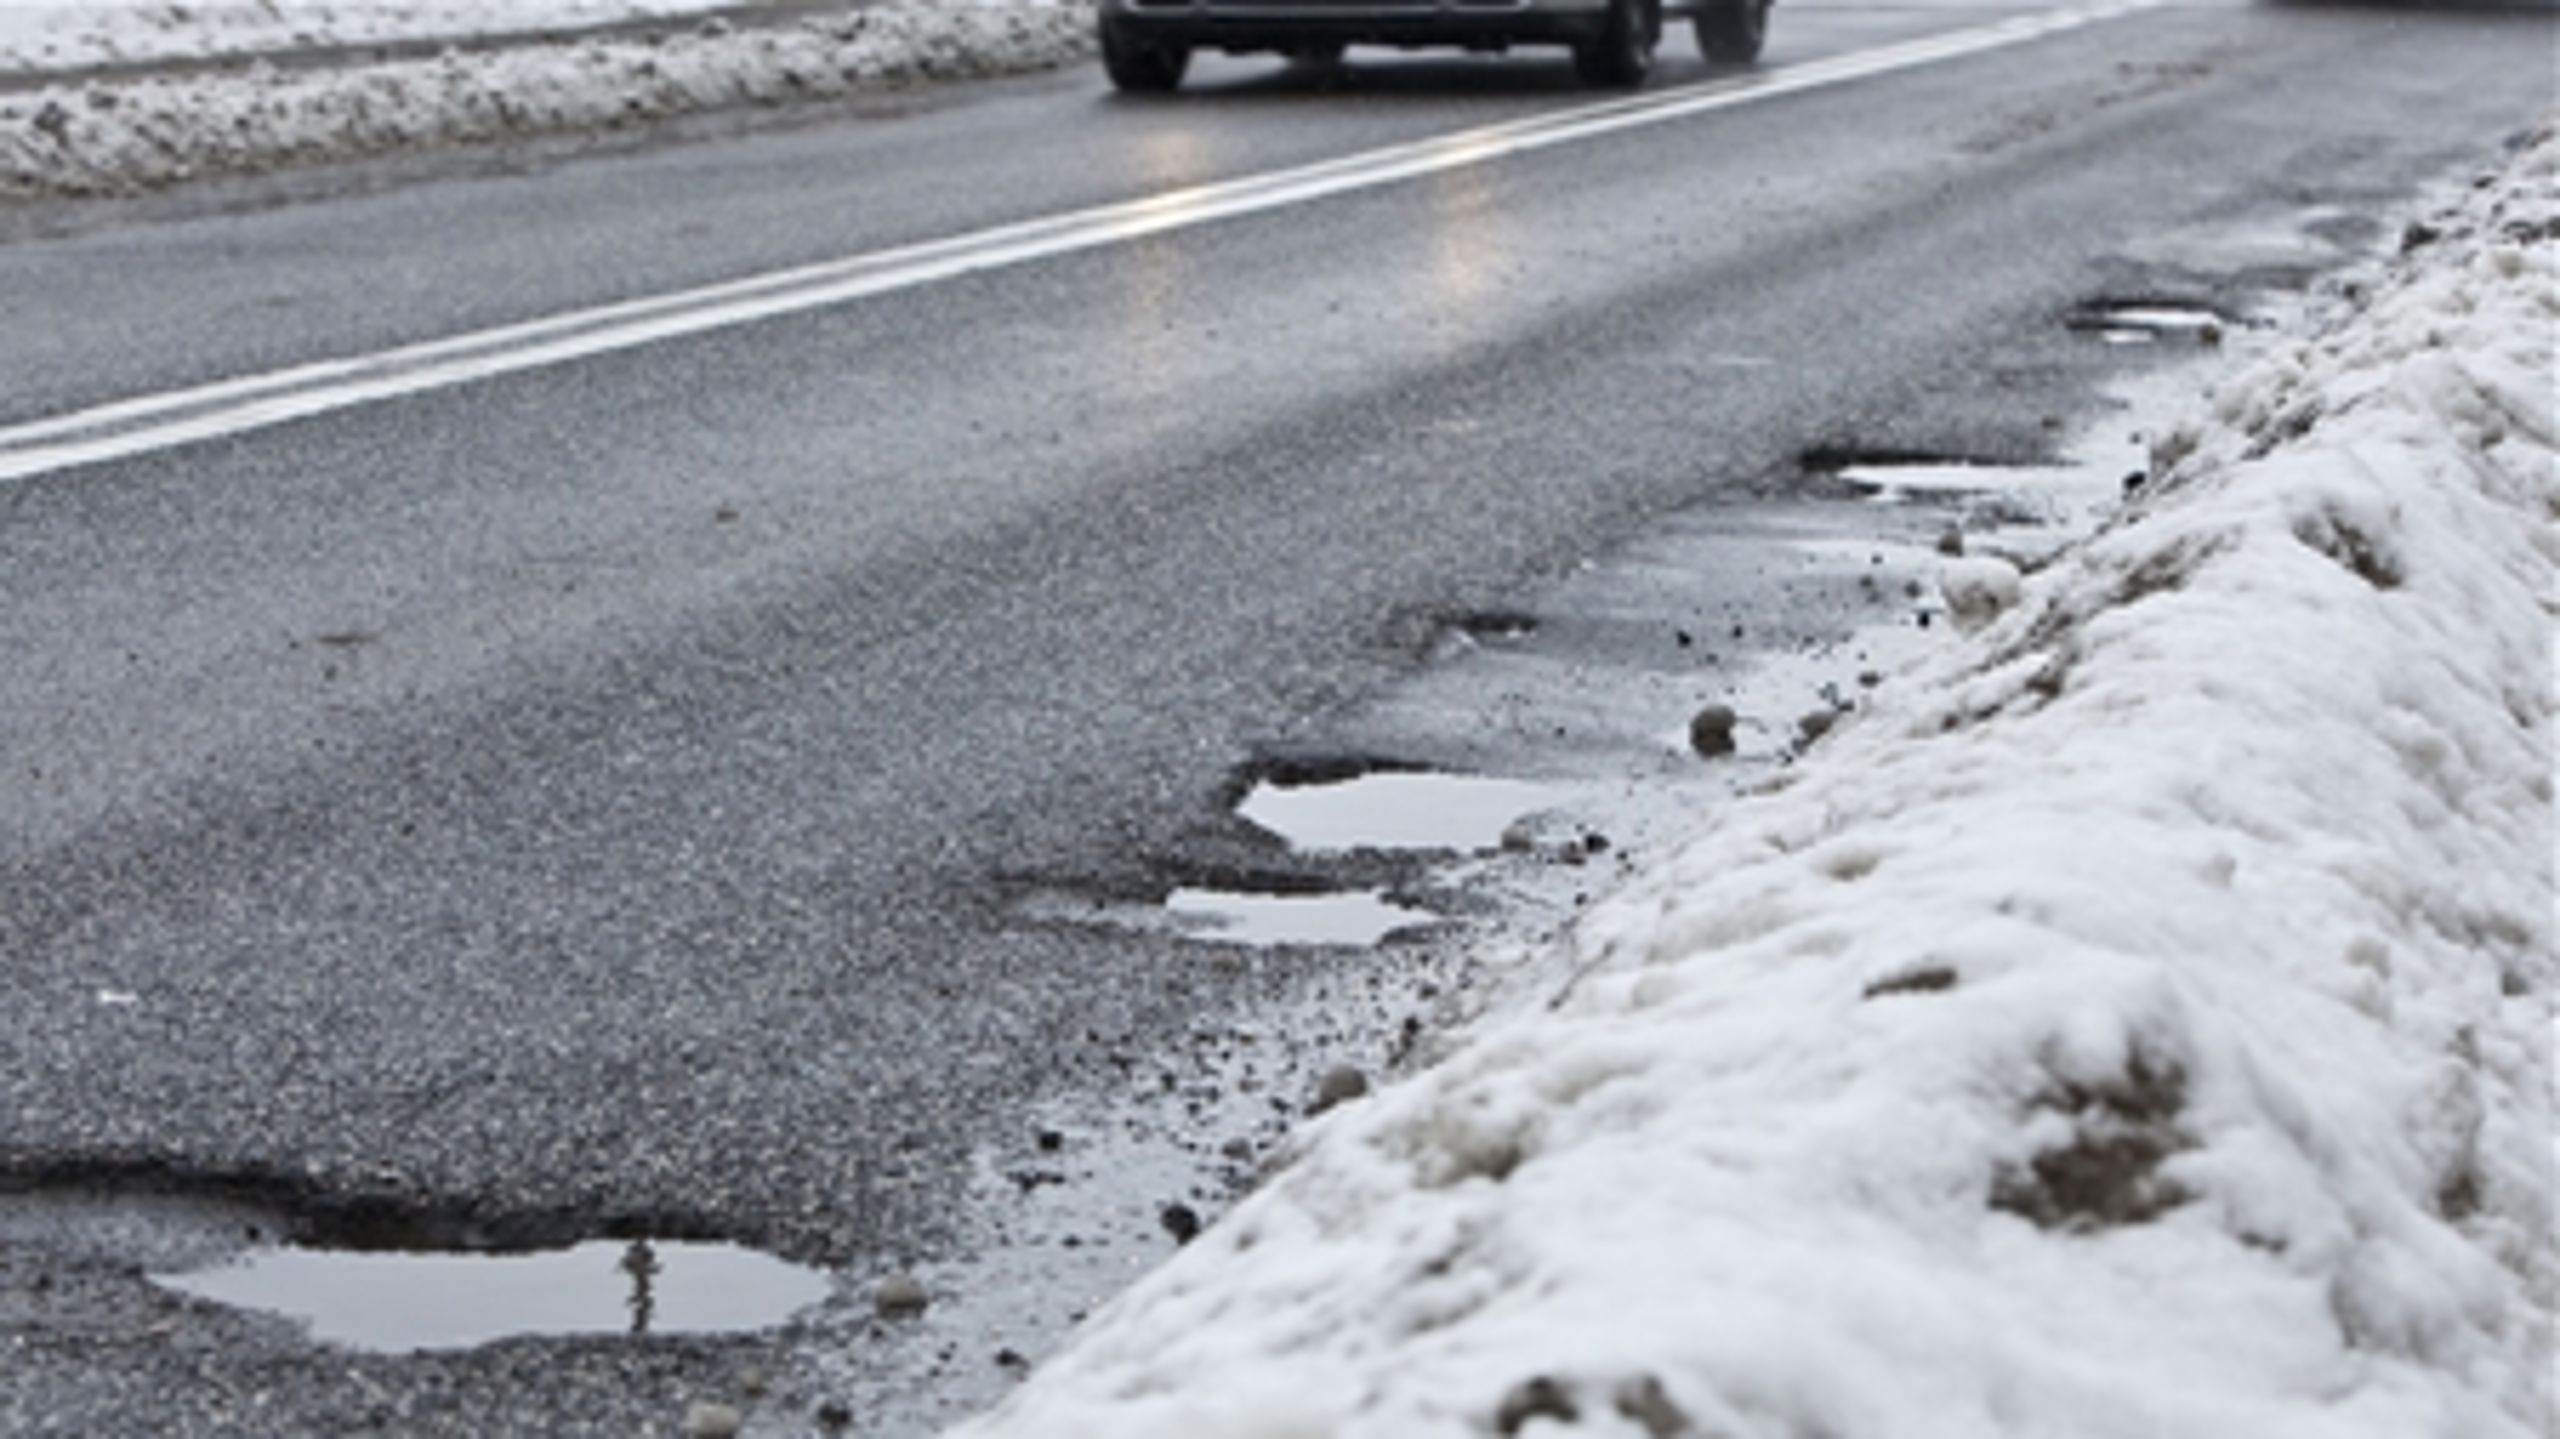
[597, 795]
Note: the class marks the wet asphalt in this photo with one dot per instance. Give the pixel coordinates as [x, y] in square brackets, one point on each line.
[604, 800]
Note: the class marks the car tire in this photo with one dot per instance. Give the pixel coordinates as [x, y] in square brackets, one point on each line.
[1138, 66]
[1621, 55]
[1731, 32]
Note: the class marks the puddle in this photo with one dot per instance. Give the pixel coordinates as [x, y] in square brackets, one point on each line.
[1495, 624]
[2144, 324]
[1892, 483]
[1360, 919]
[404, 1302]
[1396, 810]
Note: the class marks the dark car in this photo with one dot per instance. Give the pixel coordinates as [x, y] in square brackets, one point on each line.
[1146, 44]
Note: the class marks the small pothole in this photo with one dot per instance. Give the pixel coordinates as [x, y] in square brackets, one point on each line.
[1396, 810]
[2148, 322]
[1495, 624]
[1244, 907]
[1356, 919]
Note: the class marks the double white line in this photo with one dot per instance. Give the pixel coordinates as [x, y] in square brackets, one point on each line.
[229, 407]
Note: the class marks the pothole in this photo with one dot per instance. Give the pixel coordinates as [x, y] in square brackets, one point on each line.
[1396, 810]
[369, 1274]
[1960, 480]
[1246, 908]
[1358, 919]
[1495, 624]
[400, 1303]
[2141, 322]
[2033, 508]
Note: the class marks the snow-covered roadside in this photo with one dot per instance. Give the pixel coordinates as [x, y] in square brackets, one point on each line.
[120, 135]
[39, 35]
[2137, 1021]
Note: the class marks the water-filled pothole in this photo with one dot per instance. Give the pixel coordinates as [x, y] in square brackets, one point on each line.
[1395, 809]
[2148, 322]
[392, 1302]
[1956, 479]
[371, 1272]
[1358, 919]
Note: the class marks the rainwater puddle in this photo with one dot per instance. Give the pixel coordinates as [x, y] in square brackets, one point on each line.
[1892, 483]
[1359, 919]
[1397, 810]
[2149, 324]
[403, 1302]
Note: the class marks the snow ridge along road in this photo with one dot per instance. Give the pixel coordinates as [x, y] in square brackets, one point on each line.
[156, 422]
[179, 120]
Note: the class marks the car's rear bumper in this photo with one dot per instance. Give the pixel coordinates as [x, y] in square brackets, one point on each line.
[1309, 24]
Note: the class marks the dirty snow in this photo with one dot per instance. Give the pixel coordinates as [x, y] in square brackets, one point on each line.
[2136, 1021]
[119, 134]
[79, 34]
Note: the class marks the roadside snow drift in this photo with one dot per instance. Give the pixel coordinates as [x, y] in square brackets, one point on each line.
[37, 35]
[120, 135]
[2136, 1022]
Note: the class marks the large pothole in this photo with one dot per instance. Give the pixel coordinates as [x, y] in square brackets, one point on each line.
[376, 1276]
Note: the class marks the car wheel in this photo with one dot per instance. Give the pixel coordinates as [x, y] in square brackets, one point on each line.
[1316, 57]
[1731, 32]
[1138, 66]
[1621, 55]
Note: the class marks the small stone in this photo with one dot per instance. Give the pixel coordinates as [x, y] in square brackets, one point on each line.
[835, 1414]
[1711, 731]
[1238, 1150]
[1011, 1359]
[1928, 979]
[1645, 1401]
[1540, 1398]
[1050, 1141]
[1978, 591]
[1340, 1085]
[900, 1296]
[1181, 1221]
[1685, 638]
[1815, 724]
[754, 1384]
[726, 514]
[1951, 541]
[712, 1421]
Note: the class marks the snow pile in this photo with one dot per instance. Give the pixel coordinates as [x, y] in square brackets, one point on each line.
[77, 34]
[113, 136]
[2136, 1022]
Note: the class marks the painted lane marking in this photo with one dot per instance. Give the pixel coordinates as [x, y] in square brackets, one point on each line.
[146, 423]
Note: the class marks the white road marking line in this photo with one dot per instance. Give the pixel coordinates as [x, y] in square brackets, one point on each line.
[229, 407]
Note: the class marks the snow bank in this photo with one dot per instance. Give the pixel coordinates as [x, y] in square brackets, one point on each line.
[2136, 1022]
[40, 35]
[121, 135]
